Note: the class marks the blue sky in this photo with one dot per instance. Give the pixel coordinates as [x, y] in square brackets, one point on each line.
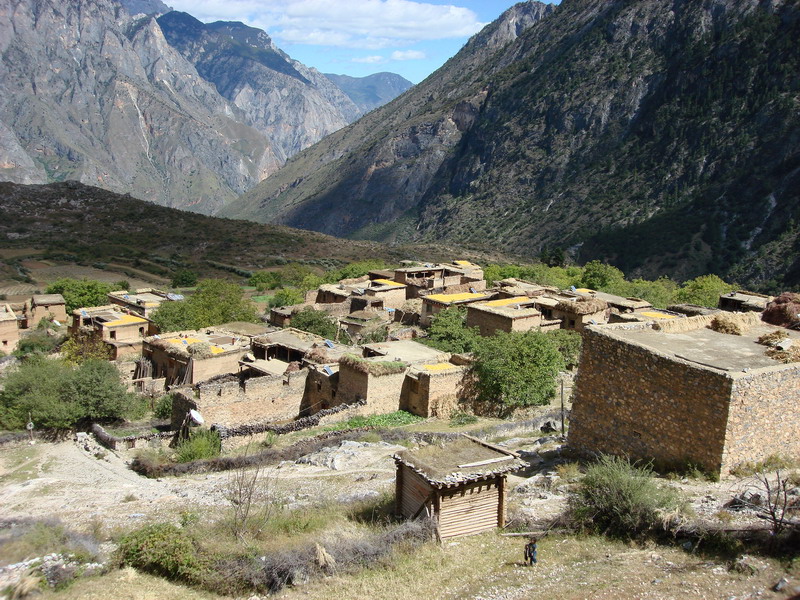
[360, 37]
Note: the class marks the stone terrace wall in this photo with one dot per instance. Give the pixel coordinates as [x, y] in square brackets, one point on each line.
[488, 322]
[382, 393]
[764, 417]
[442, 391]
[632, 401]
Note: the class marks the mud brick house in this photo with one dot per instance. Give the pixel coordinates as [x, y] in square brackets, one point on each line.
[122, 332]
[435, 303]
[677, 392]
[512, 287]
[433, 390]
[9, 331]
[440, 278]
[742, 301]
[385, 293]
[577, 313]
[619, 304]
[42, 306]
[362, 322]
[188, 357]
[516, 313]
[460, 485]
[142, 302]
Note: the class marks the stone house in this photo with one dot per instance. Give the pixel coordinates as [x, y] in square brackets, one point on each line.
[742, 301]
[577, 313]
[677, 392]
[362, 322]
[143, 302]
[435, 303]
[433, 390]
[122, 332]
[619, 304]
[9, 330]
[516, 313]
[440, 278]
[461, 485]
[188, 357]
[42, 306]
[386, 293]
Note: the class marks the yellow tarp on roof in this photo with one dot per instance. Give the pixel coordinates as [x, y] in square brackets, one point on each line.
[448, 298]
[584, 290]
[509, 301]
[654, 314]
[464, 263]
[388, 282]
[124, 320]
[439, 367]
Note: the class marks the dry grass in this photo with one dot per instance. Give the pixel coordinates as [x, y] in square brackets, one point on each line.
[440, 460]
[725, 323]
[583, 306]
[374, 368]
[772, 338]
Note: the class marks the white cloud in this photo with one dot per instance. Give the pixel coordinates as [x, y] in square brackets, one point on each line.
[370, 60]
[408, 55]
[354, 23]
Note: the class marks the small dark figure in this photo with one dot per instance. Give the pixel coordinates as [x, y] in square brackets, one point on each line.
[530, 552]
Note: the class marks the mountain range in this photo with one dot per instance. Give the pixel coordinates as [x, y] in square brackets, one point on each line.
[662, 137]
[135, 98]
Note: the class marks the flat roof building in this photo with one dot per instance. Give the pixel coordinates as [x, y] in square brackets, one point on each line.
[122, 332]
[9, 331]
[435, 303]
[143, 302]
[505, 314]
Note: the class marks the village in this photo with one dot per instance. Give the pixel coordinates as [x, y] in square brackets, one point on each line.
[682, 387]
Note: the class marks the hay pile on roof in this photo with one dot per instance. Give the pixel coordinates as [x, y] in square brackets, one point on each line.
[582, 306]
[464, 459]
[169, 347]
[376, 368]
[726, 323]
[773, 338]
[200, 350]
[317, 354]
[784, 311]
[742, 321]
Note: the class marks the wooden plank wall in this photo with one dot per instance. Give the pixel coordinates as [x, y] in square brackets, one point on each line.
[470, 509]
[414, 491]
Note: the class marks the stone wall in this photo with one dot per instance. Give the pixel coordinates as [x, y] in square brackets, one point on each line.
[632, 401]
[320, 393]
[433, 394]
[488, 322]
[219, 364]
[763, 417]
[382, 393]
[391, 298]
[257, 399]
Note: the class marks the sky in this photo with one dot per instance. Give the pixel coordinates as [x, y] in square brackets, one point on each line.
[412, 38]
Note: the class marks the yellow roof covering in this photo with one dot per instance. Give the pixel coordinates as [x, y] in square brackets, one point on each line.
[191, 340]
[584, 290]
[508, 301]
[124, 320]
[654, 314]
[464, 263]
[439, 367]
[448, 298]
[389, 282]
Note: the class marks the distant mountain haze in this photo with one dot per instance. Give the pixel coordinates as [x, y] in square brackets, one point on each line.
[168, 109]
[663, 137]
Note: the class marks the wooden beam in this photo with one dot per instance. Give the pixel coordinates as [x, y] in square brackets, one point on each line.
[488, 461]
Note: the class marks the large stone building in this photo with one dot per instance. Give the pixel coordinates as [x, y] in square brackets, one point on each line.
[678, 392]
[45, 306]
[122, 332]
[9, 332]
[143, 302]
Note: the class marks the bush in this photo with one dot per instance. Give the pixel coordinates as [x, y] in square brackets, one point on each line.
[201, 444]
[315, 321]
[37, 342]
[286, 297]
[621, 499]
[163, 407]
[80, 293]
[569, 345]
[448, 332]
[459, 419]
[215, 302]
[162, 549]
[184, 278]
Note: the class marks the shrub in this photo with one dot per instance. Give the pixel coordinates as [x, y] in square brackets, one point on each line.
[286, 297]
[315, 321]
[621, 499]
[459, 419]
[80, 293]
[163, 407]
[448, 332]
[201, 444]
[184, 278]
[37, 342]
[162, 549]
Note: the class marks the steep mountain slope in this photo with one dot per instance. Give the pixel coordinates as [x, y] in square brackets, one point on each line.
[92, 90]
[662, 136]
[372, 91]
[295, 106]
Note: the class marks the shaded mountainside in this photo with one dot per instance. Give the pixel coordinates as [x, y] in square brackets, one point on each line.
[372, 91]
[660, 136]
[171, 110]
[79, 223]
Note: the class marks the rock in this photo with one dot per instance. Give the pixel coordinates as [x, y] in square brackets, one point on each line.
[782, 583]
[549, 426]
[747, 565]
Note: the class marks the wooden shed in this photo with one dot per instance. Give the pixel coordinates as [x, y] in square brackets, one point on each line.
[461, 485]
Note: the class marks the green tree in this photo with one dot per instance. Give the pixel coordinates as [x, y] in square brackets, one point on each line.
[354, 270]
[82, 347]
[315, 321]
[79, 293]
[264, 280]
[286, 297]
[600, 276]
[214, 302]
[568, 344]
[184, 278]
[58, 396]
[293, 274]
[517, 369]
[448, 332]
[704, 290]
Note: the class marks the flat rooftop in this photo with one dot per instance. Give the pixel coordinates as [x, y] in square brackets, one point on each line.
[705, 347]
[6, 314]
[48, 299]
[145, 298]
[406, 351]
[614, 300]
[219, 342]
[303, 341]
[456, 298]
[385, 283]
[110, 316]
